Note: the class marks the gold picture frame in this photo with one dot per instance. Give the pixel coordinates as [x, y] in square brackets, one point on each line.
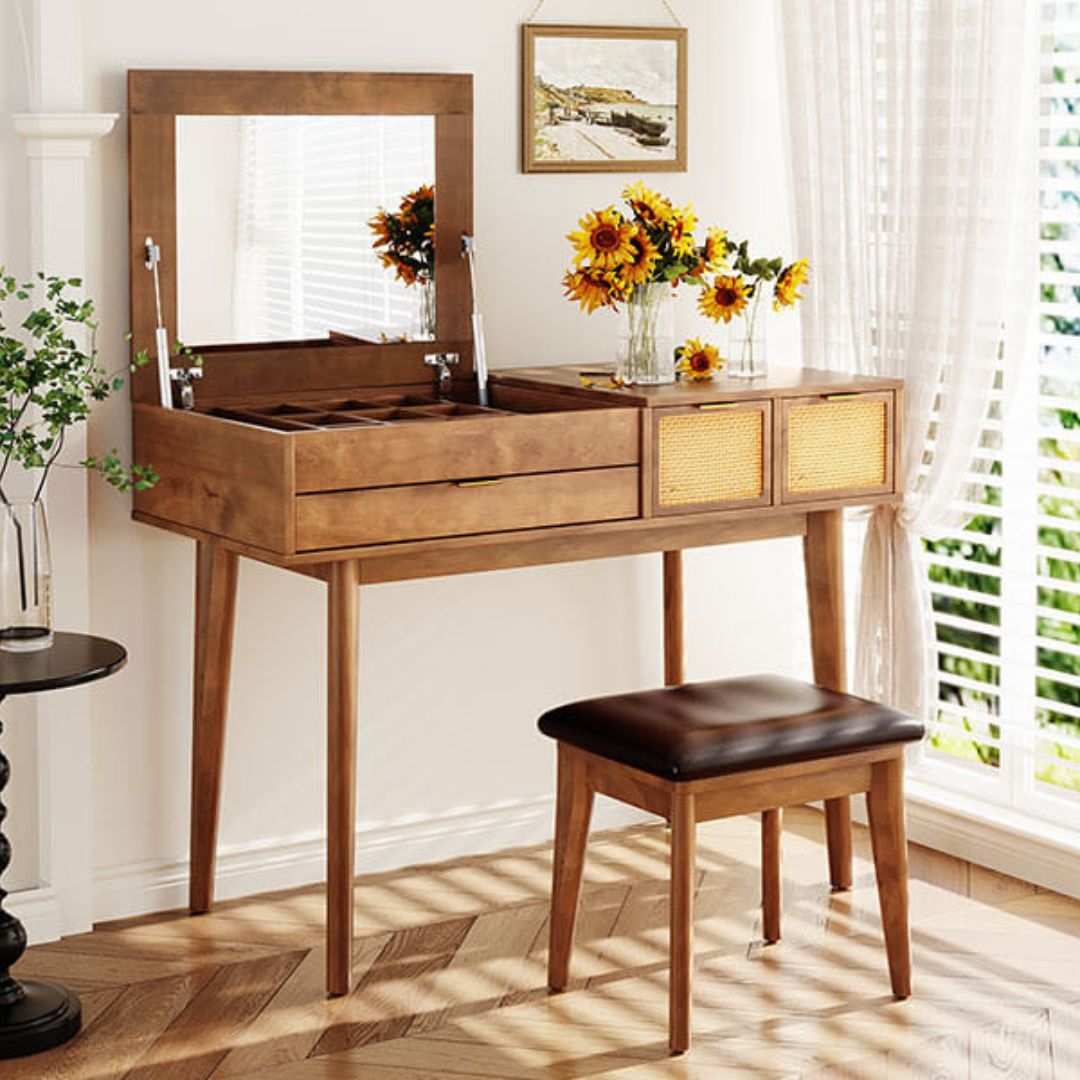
[592, 99]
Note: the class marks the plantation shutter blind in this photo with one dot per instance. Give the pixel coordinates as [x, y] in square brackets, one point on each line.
[308, 187]
[1006, 588]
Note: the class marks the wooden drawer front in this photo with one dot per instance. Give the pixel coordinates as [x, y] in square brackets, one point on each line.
[423, 453]
[838, 445]
[709, 458]
[425, 511]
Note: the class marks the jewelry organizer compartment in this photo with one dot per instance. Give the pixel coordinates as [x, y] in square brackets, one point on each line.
[375, 410]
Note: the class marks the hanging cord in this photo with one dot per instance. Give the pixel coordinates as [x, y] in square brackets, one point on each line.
[667, 7]
[671, 11]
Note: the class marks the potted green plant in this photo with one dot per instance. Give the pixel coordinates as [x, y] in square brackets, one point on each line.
[50, 380]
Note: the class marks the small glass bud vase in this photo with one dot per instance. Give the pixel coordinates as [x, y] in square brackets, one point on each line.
[426, 310]
[747, 355]
[25, 577]
[646, 351]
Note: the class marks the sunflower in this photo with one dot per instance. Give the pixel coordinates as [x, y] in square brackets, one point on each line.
[639, 270]
[698, 362]
[380, 226]
[681, 227]
[649, 208]
[604, 239]
[424, 191]
[725, 298]
[716, 248]
[406, 273]
[791, 279]
[593, 288]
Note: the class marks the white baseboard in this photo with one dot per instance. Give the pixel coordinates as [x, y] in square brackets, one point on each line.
[291, 862]
[1040, 853]
[39, 912]
[990, 836]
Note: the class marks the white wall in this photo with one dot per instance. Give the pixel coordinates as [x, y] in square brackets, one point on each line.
[453, 671]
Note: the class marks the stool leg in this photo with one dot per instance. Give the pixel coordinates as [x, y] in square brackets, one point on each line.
[772, 823]
[885, 808]
[573, 809]
[683, 842]
[838, 836]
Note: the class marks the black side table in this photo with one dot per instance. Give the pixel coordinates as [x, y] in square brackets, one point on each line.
[36, 1016]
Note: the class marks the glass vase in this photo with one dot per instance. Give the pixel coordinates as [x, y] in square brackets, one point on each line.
[25, 577]
[426, 310]
[646, 351]
[747, 355]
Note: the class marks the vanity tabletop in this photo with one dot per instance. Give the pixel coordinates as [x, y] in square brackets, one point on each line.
[591, 380]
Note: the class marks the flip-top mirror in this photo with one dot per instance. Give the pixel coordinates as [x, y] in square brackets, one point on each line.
[315, 214]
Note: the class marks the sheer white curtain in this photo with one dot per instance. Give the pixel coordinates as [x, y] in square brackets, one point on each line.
[913, 135]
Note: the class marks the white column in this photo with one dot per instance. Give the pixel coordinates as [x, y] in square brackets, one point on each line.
[59, 138]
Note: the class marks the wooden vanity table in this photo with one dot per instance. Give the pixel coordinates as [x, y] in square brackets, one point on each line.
[336, 458]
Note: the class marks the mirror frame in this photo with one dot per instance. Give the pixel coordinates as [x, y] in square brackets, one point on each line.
[157, 98]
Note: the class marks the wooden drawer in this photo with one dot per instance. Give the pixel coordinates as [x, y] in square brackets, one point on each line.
[422, 453]
[712, 457]
[425, 511]
[837, 445]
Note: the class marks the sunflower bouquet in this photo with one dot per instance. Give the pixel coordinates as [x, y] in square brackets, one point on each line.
[650, 242]
[734, 296]
[632, 259]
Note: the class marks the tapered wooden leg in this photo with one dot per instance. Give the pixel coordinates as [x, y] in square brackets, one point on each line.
[674, 648]
[838, 832]
[772, 823]
[573, 810]
[823, 552]
[215, 610]
[885, 808]
[343, 611]
[683, 842]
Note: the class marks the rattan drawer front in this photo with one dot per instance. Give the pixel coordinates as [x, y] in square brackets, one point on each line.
[713, 457]
[837, 446]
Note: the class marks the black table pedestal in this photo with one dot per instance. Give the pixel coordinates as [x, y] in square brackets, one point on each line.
[34, 1016]
[45, 1016]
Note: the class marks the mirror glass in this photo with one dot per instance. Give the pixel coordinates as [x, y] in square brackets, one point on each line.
[299, 227]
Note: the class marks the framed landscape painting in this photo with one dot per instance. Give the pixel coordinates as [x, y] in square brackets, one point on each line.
[603, 99]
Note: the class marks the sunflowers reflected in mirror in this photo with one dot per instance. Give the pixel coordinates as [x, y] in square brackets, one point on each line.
[407, 240]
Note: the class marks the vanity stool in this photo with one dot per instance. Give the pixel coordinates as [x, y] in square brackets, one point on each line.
[702, 751]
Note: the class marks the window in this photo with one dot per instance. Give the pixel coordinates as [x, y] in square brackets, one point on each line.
[308, 186]
[1006, 589]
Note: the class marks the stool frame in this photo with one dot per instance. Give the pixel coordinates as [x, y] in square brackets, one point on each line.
[878, 772]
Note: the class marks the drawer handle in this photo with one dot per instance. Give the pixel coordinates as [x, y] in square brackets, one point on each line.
[479, 483]
[713, 405]
[841, 397]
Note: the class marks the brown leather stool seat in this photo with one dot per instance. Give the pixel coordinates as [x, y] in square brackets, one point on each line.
[702, 751]
[699, 730]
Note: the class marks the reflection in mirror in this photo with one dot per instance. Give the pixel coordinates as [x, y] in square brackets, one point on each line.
[296, 227]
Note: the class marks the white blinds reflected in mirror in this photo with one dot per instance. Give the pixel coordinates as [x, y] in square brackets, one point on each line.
[274, 227]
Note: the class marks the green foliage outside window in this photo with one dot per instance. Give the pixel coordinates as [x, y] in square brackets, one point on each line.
[973, 733]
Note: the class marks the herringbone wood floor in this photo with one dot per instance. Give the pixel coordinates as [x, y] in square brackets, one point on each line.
[450, 968]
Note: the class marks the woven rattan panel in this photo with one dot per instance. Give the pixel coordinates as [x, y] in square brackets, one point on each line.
[711, 457]
[837, 445]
